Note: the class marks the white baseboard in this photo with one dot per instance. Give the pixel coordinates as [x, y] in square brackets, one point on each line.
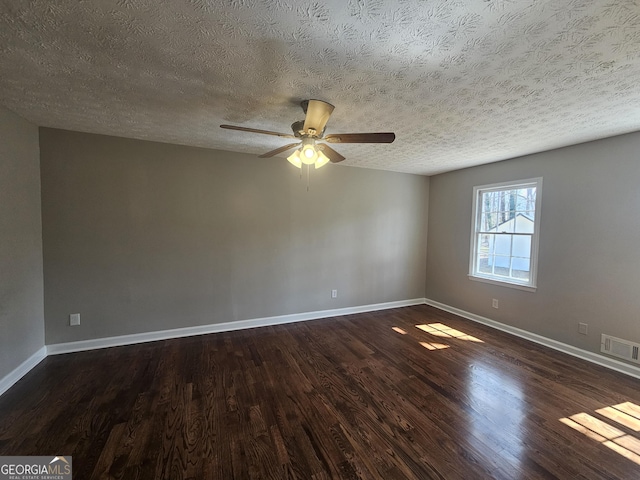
[94, 344]
[21, 370]
[547, 342]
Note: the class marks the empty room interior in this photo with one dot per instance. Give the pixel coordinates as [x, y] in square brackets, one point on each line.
[341, 239]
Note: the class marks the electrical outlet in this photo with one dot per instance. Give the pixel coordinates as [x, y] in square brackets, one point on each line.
[494, 303]
[583, 328]
[74, 319]
[334, 293]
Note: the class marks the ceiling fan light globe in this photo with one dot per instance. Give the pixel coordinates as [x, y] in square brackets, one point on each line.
[308, 151]
[322, 160]
[309, 155]
[294, 159]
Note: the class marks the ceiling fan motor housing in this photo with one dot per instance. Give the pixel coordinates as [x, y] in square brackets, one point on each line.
[298, 128]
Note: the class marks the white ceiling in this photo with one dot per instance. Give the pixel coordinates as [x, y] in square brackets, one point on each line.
[460, 82]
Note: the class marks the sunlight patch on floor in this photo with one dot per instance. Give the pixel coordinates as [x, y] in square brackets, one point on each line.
[623, 418]
[442, 330]
[625, 414]
[434, 346]
[439, 330]
[427, 345]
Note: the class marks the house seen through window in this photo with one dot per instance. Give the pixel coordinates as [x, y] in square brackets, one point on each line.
[504, 243]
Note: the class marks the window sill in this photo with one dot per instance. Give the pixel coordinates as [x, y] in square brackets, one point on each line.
[503, 283]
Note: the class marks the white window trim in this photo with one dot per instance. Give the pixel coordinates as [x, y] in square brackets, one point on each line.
[530, 286]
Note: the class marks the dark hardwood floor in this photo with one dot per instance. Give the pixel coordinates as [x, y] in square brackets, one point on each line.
[362, 396]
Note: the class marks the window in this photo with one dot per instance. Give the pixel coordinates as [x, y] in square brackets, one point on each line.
[504, 242]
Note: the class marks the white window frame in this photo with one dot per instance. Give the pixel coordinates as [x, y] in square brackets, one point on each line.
[530, 285]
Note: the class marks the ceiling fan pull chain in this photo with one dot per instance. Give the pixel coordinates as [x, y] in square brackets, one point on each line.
[308, 168]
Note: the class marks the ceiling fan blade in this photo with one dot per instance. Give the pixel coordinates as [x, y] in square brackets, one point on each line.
[278, 150]
[334, 156]
[387, 137]
[255, 130]
[318, 113]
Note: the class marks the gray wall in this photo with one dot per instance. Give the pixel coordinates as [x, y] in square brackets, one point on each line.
[21, 310]
[141, 236]
[589, 261]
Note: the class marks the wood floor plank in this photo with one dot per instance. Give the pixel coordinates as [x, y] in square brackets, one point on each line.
[407, 393]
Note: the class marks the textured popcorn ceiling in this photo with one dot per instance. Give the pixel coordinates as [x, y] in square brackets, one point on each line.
[460, 82]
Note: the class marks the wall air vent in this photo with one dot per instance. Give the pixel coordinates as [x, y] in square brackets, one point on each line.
[620, 348]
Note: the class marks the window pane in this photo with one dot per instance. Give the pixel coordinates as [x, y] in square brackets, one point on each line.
[501, 265]
[524, 222]
[527, 198]
[530, 214]
[521, 263]
[484, 248]
[520, 268]
[485, 265]
[521, 246]
[503, 244]
[499, 258]
[512, 200]
[485, 244]
[489, 222]
[506, 224]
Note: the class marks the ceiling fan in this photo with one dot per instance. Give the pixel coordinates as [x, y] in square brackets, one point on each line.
[310, 131]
